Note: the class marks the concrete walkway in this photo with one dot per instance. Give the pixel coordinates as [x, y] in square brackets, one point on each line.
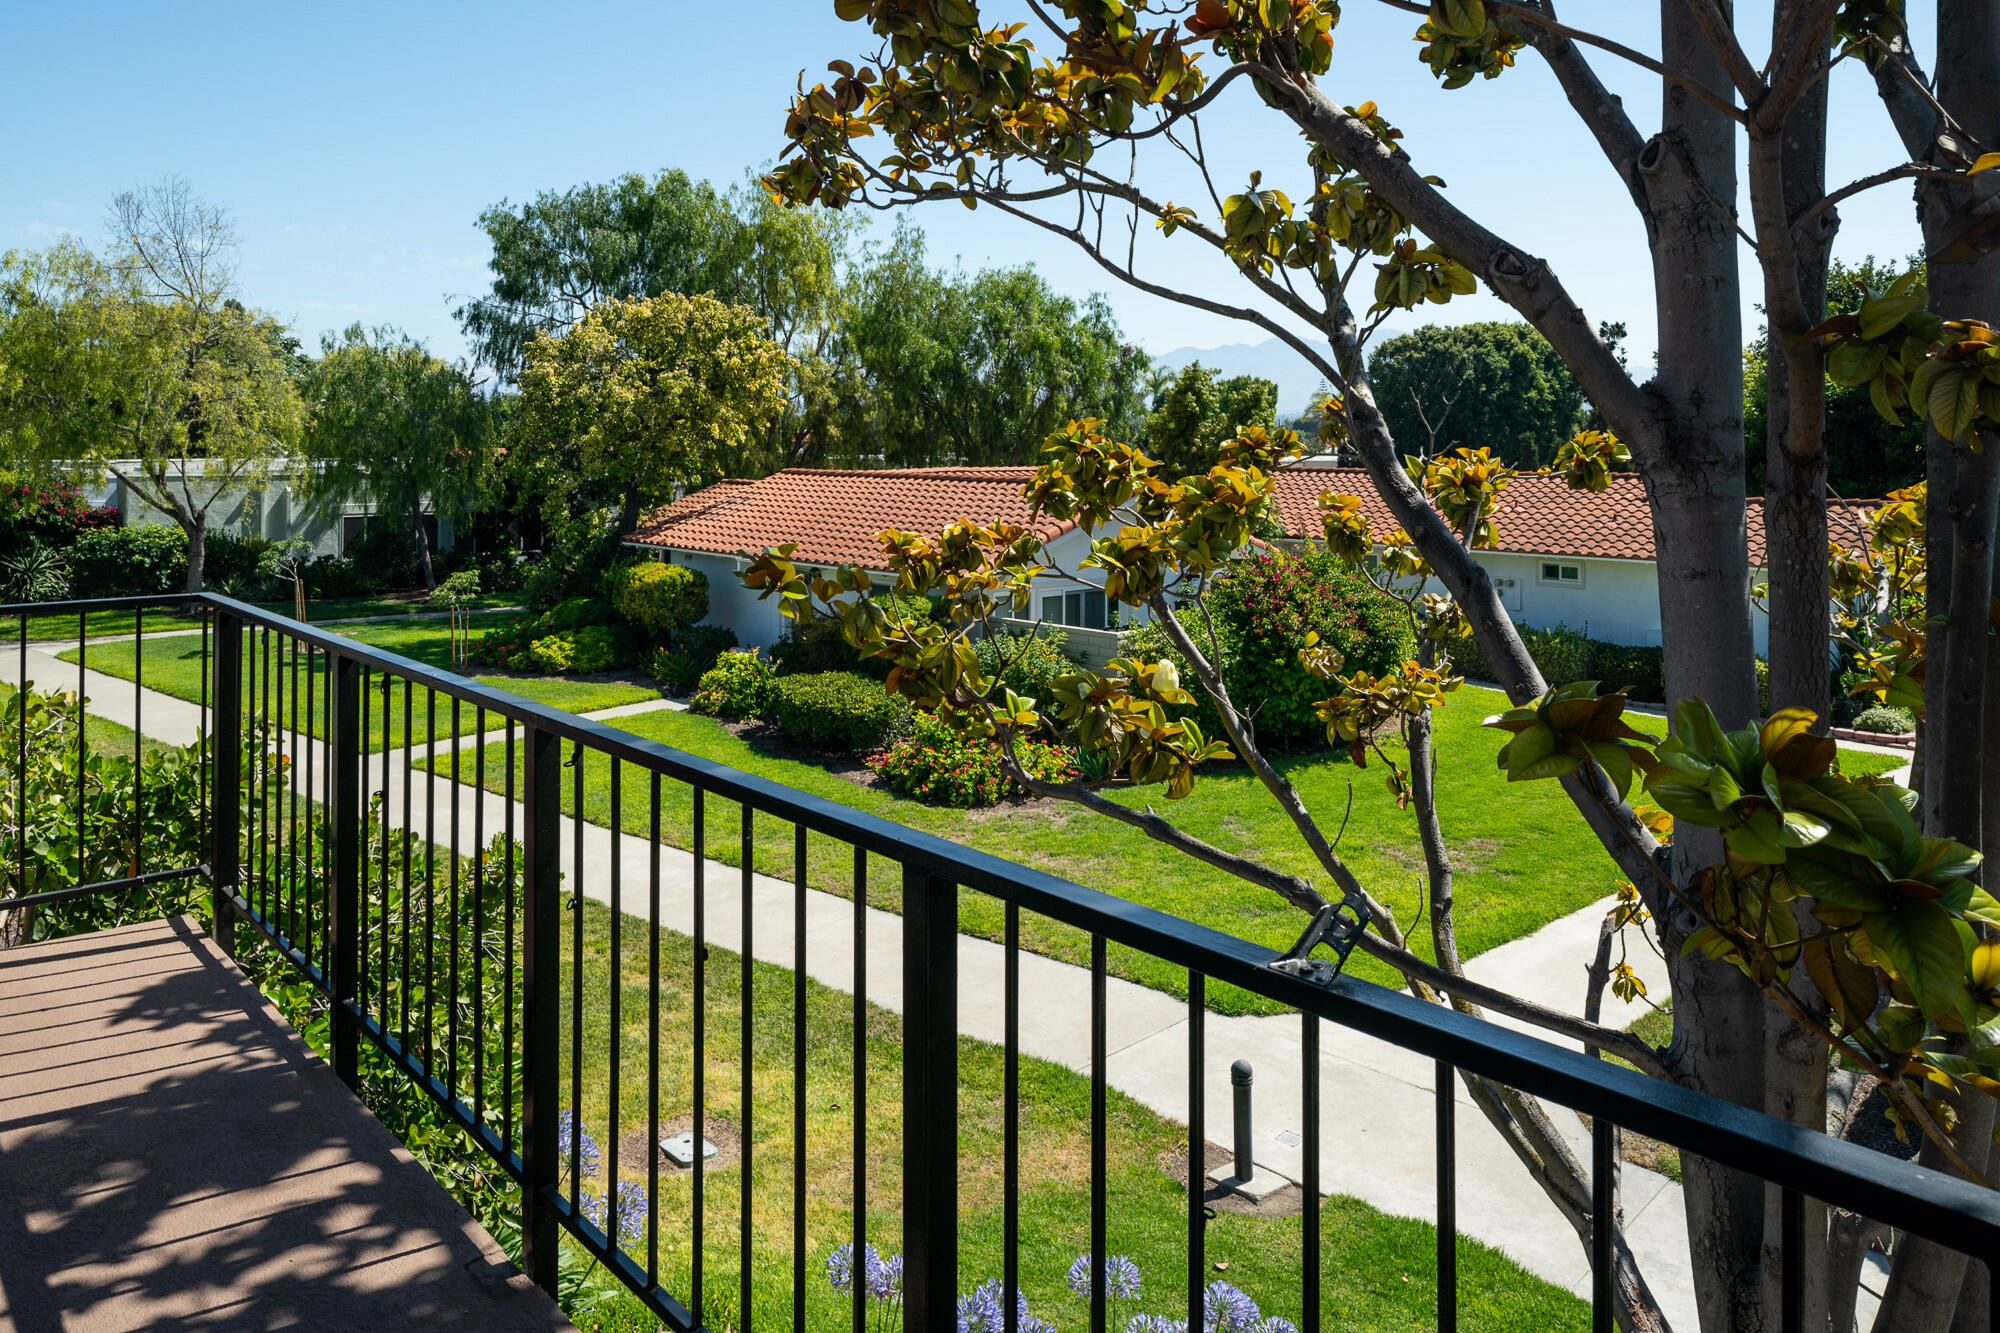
[1376, 1100]
[172, 1155]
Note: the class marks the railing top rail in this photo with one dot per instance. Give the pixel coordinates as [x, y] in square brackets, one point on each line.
[14, 610]
[1951, 1211]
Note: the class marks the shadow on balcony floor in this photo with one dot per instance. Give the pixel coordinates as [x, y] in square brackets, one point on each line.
[172, 1155]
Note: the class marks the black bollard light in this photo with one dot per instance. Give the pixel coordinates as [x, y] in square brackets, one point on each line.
[1239, 1082]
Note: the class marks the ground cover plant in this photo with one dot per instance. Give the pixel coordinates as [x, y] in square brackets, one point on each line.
[173, 665]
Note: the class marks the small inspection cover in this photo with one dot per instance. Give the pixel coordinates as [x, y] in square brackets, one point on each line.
[680, 1149]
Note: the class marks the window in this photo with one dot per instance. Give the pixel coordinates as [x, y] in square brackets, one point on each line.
[1567, 576]
[1084, 608]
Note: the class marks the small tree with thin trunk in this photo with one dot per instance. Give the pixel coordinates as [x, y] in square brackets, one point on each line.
[142, 362]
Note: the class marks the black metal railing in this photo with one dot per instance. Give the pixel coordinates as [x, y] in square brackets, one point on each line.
[454, 948]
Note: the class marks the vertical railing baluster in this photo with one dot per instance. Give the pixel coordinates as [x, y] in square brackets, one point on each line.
[1197, 1164]
[1444, 1077]
[507, 953]
[138, 738]
[408, 822]
[799, 1078]
[82, 742]
[653, 1056]
[930, 1100]
[1309, 1222]
[1010, 1046]
[345, 691]
[1099, 1221]
[1792, 1262]
[541, 955]
[616, 1023]
[225, 820]
[700, 1055]
[451, 899]
[746, 1007]
[574, 902]
[1602, 1141]
[479, 913]
[26, 832]
[859, 1100]
[430, 886]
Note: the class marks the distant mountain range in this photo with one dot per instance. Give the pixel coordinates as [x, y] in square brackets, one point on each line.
[1294, 375]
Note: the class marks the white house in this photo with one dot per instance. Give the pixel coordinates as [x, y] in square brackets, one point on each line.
[1577, 558]
[833, 517]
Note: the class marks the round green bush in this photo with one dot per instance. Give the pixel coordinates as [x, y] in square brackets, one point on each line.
[1885, 721]
[143, 561]
[679, 669]
[657, 597]
[736, 686]
[1024, 663]
[835, 710]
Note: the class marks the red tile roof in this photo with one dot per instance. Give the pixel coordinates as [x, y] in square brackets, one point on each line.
[1539, 515]
[834, 515]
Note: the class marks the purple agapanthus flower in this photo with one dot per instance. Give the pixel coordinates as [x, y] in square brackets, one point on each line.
[1228, 1310]
[980, 1311]
[1277, 1324]
[629, 1217]
[1121, 1278]
[569, 1138]
[884, 1277]
[1156, 1323]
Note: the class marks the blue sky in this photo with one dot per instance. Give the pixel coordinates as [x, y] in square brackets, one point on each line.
[357, 144]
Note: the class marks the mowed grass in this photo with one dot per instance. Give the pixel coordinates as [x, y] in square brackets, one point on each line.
[104, 736]
[163, 619]
[1523, 855]
[174, 666]
[1378, 1271]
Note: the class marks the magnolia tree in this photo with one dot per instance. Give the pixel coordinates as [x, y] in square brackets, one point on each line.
[1811, 925]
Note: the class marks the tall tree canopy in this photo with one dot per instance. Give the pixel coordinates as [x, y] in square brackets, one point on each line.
[1867, 455]
[1193, 413]
[963, 105]
[641, 397]
[398, 428]
[1497, 386]
[951, 367]
[144, 362]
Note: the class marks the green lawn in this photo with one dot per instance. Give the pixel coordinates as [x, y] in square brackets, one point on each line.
[1378, 1270]
[1523, 855]
[161, 620]
[174, 666]
[103, 735]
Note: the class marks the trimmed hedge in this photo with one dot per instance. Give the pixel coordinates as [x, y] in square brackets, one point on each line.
[679, 669]
[142, 561]
[659, 598]
[835, 710]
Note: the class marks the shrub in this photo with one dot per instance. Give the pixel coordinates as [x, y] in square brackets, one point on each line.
[234, 565]
[1885, 721]
[582, 651]
[934, 764]
[576, 612]
[1262, 611]
[1031, 661]
[835, 710]
[657, 597]
[45, 513]
[1638, 670]
[736, 686]
[334, 576]
[572, 565]
[143, 561]
[387, 552]
[679, 669]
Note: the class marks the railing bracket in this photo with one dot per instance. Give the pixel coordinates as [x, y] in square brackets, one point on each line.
[1337, 925]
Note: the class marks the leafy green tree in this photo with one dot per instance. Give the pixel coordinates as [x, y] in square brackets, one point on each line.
[952, 367]
[143, 362]
[641, 397]
[1867, 455]
[563, 253]
[1080, 120]
[1497, 386]
[398, 428]
[1194, 413]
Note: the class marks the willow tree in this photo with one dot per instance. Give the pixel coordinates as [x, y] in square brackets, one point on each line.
[954, 105]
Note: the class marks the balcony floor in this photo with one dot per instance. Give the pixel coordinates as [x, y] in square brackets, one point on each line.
[172, 1155]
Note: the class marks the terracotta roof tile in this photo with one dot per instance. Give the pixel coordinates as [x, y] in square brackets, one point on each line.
[1539, 515]
[834, 515]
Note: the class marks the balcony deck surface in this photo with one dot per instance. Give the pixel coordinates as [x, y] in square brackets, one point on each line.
[173, 1155]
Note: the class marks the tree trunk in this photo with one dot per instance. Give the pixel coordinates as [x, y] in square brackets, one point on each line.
[629, 514]
[196, 528]
[423, 547]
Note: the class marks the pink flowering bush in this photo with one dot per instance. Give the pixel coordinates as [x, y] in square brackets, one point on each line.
[938, 767]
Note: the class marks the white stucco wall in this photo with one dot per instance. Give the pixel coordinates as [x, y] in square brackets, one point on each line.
[757, 624]
[264, 506]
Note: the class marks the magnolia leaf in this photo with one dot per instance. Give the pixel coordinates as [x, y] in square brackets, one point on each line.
[1919, 941]
[1849, 986]
[1986, 162]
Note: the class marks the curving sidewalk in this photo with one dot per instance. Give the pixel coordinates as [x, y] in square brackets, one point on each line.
[1376, 1100]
